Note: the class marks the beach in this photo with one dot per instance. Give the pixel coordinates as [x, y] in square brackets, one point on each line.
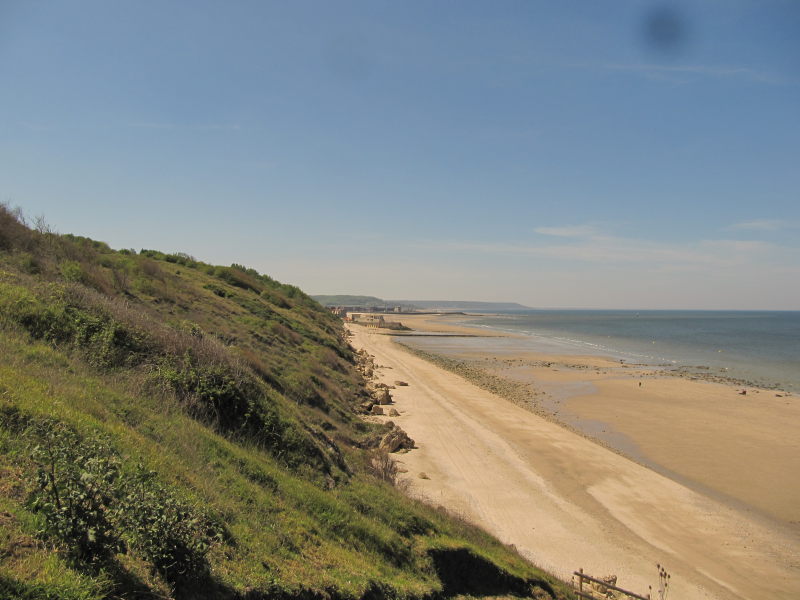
[587, 463]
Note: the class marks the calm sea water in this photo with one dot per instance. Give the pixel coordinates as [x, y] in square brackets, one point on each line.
[763, 347]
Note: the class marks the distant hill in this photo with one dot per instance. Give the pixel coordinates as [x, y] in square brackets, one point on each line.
[367, 301]
[347, 300]
[459, 305]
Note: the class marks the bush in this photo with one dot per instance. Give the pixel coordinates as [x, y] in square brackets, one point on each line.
[95, 508]
[383, 466]
[28, 263]
[106, 342]
[75, 488]
[171, 535]
[43, 321]
[238, 278]
[72, 271]
[14, 234]
[211, 392]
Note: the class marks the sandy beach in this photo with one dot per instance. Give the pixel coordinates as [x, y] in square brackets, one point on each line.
[710, 492]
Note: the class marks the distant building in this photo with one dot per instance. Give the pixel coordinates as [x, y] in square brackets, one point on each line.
[375, 320]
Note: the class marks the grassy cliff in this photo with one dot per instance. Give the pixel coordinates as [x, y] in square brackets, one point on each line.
[170, 428]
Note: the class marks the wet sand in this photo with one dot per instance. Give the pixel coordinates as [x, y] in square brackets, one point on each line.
[567, 502]
[445, 324]
[739, 447]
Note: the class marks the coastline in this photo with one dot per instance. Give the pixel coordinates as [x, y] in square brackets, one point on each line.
[616, 512]
[663, 420]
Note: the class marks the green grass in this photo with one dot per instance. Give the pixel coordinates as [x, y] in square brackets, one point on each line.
[224, 403]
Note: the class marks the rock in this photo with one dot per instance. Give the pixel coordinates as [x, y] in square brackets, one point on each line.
[400, 383]
[393, 413]
[395, 440]
[423, 475]
[600, 588]
[367, 406]
[384, 397]
[376, 410]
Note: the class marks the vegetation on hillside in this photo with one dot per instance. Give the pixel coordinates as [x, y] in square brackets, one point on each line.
[170, 428]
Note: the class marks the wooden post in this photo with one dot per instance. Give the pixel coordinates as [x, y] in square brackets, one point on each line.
[581, 576]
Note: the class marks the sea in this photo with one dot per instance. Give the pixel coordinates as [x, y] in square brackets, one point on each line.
[757, 347]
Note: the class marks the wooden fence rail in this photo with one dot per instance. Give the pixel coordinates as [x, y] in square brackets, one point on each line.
[581, 576]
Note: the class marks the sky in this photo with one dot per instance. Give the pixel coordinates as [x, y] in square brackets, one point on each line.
[595, 154]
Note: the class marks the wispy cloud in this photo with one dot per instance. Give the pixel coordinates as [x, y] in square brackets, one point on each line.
[568, 231]
[759, 225]
[655, 70]
[178, 127]
[585, 245]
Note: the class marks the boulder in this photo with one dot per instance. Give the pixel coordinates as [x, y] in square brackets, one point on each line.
[367, 406]
[601, 588]
[383, 397]
[376, 410]
[395, 440]
[393, 413]
[400, 383]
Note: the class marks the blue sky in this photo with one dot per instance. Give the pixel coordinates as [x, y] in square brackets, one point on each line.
[625, 154]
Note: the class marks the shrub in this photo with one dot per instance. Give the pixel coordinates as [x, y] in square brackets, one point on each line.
[120, 279]
[171, 535]
[275, 298]
[238, 278]
[382, 466]
[72, 271]
[28, 263]
[14, 234]
[95, 508]
[212, 392]
[150, 268]
[75, 488]
[219, 291]
[41, 320]
[106, 342]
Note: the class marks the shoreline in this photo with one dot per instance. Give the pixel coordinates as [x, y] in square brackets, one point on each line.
[519, 394]
[656, 425]
[673, 366]
[522, 454]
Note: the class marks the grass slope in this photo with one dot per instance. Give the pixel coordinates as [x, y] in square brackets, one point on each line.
[170, 428]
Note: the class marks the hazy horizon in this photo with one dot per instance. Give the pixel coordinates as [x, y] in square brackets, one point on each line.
[556, 308]
[627, 155]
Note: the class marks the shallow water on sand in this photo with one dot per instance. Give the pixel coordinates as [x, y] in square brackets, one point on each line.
[762, 348]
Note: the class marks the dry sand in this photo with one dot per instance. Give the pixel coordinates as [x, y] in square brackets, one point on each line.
[566, 502]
